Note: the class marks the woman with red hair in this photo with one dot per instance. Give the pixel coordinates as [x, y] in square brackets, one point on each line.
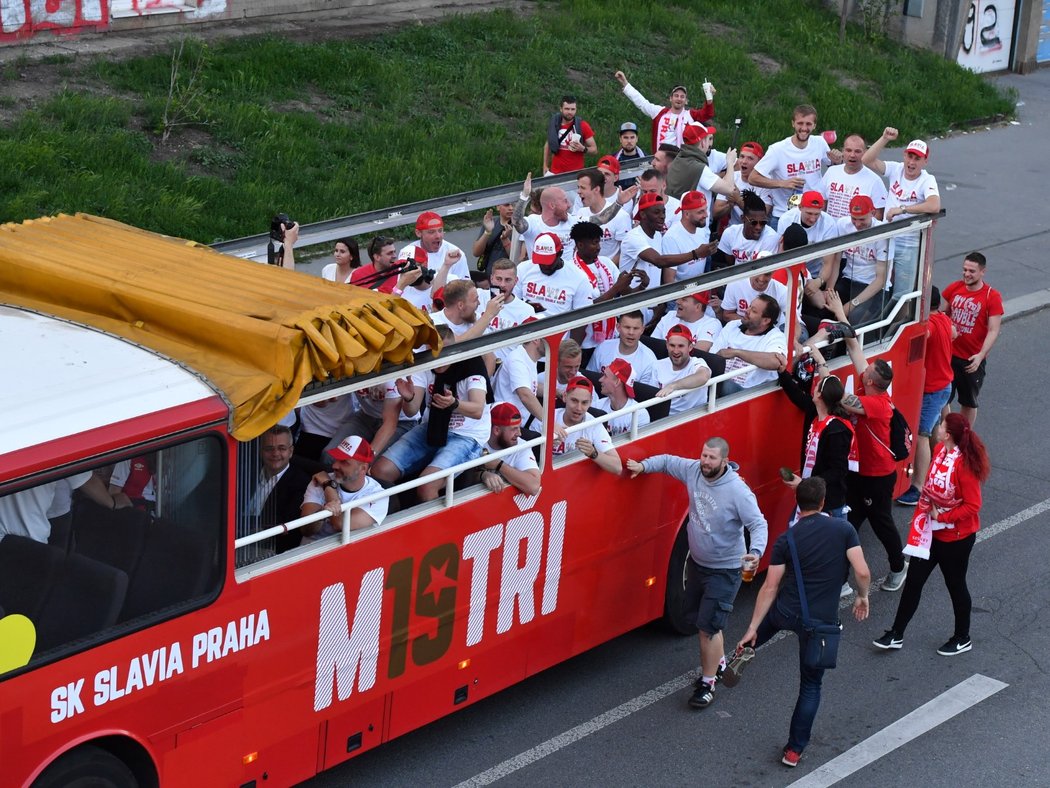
[944, 530]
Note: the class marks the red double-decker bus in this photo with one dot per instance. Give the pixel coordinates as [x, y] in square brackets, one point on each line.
[162, 640]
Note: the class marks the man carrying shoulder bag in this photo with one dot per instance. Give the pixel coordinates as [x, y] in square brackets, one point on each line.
[817, 564]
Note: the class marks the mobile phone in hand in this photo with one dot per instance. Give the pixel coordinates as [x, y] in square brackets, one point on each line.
[787, 474]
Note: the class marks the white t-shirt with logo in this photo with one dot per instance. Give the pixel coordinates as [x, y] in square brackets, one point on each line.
[563, 291]
[642, 360]
[513, 313]
[478, 429]
[744, 250]
[904, 193]
[740, 294]
[667, 374]
[620, 424]
[859, 261]
[636, 242]
[783, 160]
[523, 460]
[376, 510]
[773, 341]
[678, 240]
[613, 231]
[595, 433]
[703, 330]
[459, 270]
[839, 187]
[517, 371]
[823, 229]
[604, 272]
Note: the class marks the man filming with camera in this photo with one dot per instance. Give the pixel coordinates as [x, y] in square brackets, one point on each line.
[384, 274]
[284, 232]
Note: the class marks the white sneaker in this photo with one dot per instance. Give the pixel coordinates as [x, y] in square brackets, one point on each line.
[847, 589]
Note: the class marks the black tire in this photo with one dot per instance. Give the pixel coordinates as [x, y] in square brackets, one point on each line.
[87, 766]
[675, 616]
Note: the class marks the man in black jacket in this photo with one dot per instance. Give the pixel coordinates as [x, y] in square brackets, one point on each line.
[279, 490]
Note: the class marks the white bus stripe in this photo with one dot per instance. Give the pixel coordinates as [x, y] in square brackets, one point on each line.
[646, 699]
[909, 727]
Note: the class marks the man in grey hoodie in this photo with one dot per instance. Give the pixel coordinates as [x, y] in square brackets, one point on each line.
[721, 506]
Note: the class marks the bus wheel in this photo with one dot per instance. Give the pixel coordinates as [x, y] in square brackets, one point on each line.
[675, 615]
[87, 766]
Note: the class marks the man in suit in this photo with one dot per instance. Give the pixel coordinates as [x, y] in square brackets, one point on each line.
[280, 487]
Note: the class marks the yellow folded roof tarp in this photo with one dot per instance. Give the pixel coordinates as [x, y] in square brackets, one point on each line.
[259, 334]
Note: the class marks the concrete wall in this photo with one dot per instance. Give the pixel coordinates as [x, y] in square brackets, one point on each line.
[23, 21]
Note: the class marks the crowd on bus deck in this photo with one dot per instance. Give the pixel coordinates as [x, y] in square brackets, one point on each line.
[695, 209]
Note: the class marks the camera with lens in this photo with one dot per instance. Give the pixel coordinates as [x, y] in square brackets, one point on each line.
[428, 273]
[276, 230]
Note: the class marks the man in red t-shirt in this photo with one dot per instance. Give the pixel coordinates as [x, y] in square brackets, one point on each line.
[568, 139]
[976, 310]
[869, 491]
[935, 392]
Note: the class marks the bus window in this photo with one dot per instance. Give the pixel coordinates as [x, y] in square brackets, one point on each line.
[88, 555]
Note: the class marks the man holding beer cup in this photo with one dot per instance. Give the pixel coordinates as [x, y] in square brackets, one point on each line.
[721, 506]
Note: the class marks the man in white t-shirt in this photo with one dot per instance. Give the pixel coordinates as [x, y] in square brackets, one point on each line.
[27, 512]
[862, 283]
[549, 282]
[617, 384]
[793, 165]
[691, 313]
[430, 230]
[514, 311]
[912, 191]
[460, 312]
[349, 481]
[518, 470]
[554, 215]
[628, 347]
[809, 213]
[589, 184]
[842, 182]
[570, 358]
[686, 235]
[594, 440]
[515, 381]
[454, 426]
[419, 291]
[753, 340]
[680, 371]
[744, 242]
[750, 154]
[652, 181]
[742, 292]
[602, 274]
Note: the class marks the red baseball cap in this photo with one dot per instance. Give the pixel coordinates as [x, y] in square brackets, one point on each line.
[546, 249]
[861, 205]
[428, 220]
[353, 447]
[754, 148]
[812, 199]
[647, 201]
[692, 201]
[703, 297]
[579, 382]
[622, 370]
[681, 330]
[694, 132]
[919, 148]
[505, 415]
[611, 163]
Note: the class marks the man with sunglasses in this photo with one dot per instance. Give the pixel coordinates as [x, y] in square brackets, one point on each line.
[742, 243]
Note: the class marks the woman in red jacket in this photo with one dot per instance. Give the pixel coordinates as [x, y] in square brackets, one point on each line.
[944, 530]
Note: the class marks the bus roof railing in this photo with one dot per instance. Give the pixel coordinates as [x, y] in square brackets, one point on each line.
[253, 247]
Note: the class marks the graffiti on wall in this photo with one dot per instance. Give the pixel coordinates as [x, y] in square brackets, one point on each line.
[24, 18]
[987, 35]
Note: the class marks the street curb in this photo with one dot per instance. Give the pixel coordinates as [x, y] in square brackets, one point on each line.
[1026, 304]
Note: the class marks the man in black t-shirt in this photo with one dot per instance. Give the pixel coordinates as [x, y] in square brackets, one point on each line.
[827, 548]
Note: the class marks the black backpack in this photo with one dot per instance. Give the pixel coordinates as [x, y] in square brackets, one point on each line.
[901, 437]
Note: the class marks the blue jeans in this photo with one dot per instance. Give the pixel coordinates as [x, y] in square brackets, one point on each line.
[810, 679]
[930, 414]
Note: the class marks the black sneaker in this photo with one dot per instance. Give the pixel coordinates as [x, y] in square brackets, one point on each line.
[955, 645]
[737, 665]
[702, 697]
[889, 639]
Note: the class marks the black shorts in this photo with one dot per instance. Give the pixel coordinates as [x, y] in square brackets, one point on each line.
[709, 596]
[967, 384]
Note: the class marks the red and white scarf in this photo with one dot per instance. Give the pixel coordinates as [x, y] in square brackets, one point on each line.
[601, 330]
[939, 490]
[813, 440]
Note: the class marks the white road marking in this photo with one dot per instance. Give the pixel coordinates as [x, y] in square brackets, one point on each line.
[911, 726]
[603, 720]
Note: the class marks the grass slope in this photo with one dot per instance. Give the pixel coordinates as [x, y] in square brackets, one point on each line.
[333, 128]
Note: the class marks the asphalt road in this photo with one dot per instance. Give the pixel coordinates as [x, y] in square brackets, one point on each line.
[737, 740]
